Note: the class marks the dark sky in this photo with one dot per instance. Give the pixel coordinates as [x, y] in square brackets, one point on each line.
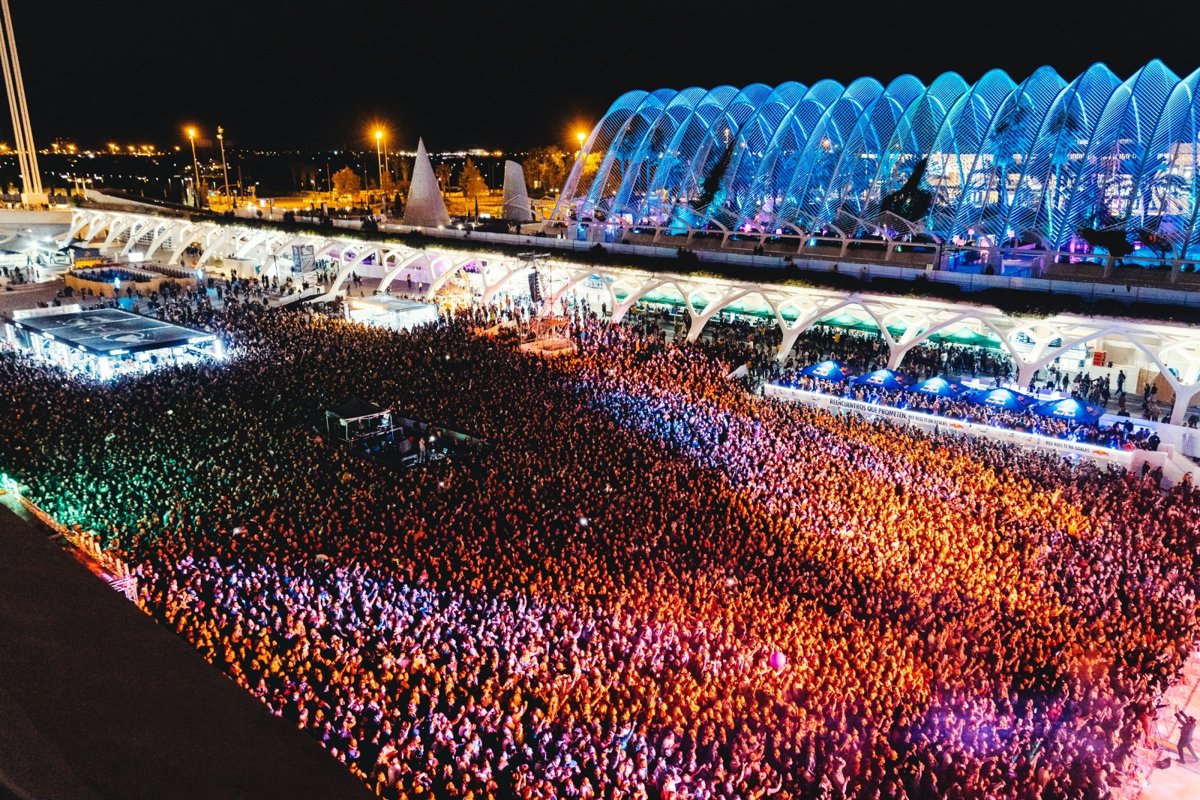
[505, 75]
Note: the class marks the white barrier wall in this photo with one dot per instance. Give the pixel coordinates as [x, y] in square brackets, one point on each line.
[1174, 465]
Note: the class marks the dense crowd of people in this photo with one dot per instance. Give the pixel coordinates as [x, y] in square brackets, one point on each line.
[655, 584]
[1121, 435]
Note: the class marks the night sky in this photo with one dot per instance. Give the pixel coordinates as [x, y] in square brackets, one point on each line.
[504, 75]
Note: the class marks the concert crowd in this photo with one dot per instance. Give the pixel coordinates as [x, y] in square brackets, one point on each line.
[655, 584]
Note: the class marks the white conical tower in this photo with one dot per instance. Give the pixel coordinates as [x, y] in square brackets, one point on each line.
[516, 199]
[425, 207]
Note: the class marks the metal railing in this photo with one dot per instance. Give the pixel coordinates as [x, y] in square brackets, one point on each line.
[118, 573]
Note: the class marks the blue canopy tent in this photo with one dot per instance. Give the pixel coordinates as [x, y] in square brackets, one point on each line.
[1005, 399]
[827, 370]
[881, 378]
[1070, 409]
[938, 387]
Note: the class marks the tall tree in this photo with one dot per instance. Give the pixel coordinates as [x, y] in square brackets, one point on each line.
[442, 171]
[403, 183]
[471, 180]
[712, 181]
[546, 168]
[346, 181]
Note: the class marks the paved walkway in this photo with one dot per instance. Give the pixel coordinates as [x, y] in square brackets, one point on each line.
[99, 701]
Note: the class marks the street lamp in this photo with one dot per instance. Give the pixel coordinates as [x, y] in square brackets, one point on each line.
[379, 154]
[581, 136]
[224, 169]
[191, 134]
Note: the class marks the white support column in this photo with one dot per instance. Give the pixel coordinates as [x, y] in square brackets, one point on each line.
[221, 239]
[915, 325]
[1027, 369]
[136, 232]
[566, 287]
[401, 265]
[436, 283]
[701, 318]
[348, 267]
[79, 220]
[790, 335]
[164, 232]
[508, 270]
[631, 299]
[115, 228]
[1184, 396]
[187, 236]
[808, 314]
[252, 242]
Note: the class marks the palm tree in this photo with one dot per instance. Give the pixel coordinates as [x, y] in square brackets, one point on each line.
[442, 171]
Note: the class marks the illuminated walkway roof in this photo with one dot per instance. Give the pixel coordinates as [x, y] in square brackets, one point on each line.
[1005, 161]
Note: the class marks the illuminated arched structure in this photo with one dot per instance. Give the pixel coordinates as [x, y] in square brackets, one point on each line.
[1008, 160]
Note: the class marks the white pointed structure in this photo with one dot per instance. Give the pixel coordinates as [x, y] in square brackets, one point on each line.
[425, 207]
[31, 178]
[516, 198]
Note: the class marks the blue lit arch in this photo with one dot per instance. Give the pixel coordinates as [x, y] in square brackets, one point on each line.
[621, 150]
[814, 171]
[754, 140]
[633, 195]
[861, 157]
[990, 189]
[1113, 160]
[1053, 165]
[1169, 187]
[914, 136]
[778, 165]
[1032, 162]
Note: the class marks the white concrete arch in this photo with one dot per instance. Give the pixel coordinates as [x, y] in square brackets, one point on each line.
[404, 262]
[137, 231]
[644, 284]
[1043, 333]
[348, 267]
[188, 235]
[720, 301]
[1186, 386]
[115, 228]
[950, 318]
[80, 219]
[455, 265]
[866, 304]
[808, 311]
[574, 278]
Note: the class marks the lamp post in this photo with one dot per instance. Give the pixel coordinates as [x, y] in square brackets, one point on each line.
[580, 136]
[191, 134]
[379, 158]
[224, 169]
[387, 169]
[379, 154]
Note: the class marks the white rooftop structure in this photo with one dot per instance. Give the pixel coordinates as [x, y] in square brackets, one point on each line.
[425, 207]
[390, 312]
[516, 198]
